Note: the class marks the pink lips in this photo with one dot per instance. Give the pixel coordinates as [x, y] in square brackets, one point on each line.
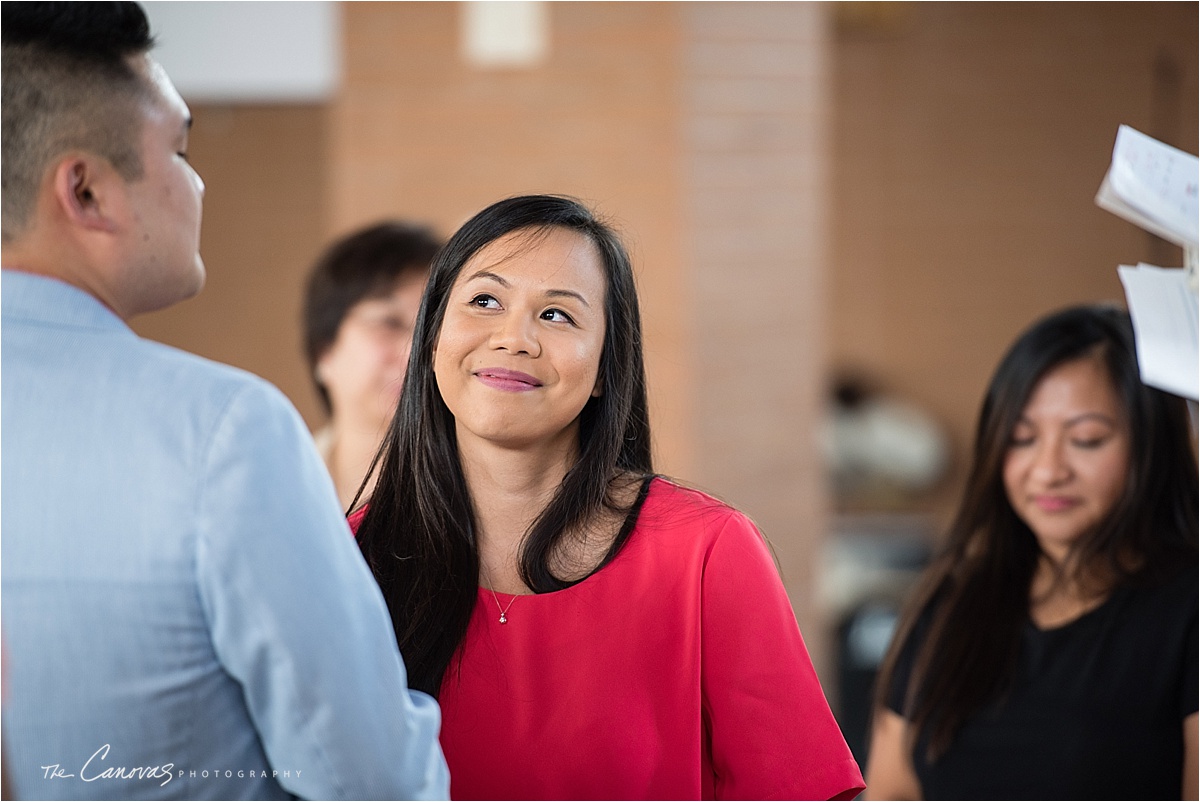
[512, 381]
[1055, 503]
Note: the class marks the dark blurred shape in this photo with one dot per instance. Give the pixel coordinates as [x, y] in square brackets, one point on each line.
[869, 565]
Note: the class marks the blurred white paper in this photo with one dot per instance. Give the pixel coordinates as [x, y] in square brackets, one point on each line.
[1153, 185]
[1164, 312]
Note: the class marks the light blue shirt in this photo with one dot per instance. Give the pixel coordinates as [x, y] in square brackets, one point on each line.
[185, 613]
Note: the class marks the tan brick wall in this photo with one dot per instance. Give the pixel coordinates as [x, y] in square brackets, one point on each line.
[756, 114]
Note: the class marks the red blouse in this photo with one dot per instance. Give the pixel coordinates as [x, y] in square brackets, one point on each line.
[675, 672]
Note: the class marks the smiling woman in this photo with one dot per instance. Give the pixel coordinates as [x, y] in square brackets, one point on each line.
[591, 630]
[1050, 652]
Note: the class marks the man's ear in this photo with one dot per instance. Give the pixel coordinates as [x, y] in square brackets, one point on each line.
[88, 192]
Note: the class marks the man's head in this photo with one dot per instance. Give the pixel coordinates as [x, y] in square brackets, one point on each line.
[96, 187]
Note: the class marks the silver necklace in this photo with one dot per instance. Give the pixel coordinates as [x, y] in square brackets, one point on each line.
[503, 610]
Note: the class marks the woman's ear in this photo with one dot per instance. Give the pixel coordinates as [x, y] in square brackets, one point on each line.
[598, 389]
[89, 192]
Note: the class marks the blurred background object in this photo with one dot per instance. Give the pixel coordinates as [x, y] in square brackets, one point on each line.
[883, 452]
[899, 187]
[886, 457]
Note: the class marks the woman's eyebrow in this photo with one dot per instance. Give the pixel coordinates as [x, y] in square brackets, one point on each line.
[503, 282]
[1091, 416]
[487, 274]
[568, 294]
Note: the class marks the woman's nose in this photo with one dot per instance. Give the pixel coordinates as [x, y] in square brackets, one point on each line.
[1050, 463]
[517, 334]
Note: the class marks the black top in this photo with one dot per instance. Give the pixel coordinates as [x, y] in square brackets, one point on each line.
[1095, 711]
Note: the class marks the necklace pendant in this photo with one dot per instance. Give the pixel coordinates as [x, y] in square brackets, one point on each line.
[503, 619]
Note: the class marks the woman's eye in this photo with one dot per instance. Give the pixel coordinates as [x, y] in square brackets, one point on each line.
[484, 301]
[557, 315]
[1020, 440]
[1089, 442]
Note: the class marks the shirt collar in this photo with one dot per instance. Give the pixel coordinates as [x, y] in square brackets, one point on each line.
[36, 298]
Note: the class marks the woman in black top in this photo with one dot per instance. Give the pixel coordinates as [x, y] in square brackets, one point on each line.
[1050, 651]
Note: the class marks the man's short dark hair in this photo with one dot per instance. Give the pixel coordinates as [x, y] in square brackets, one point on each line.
[68, 84]
[365, 264]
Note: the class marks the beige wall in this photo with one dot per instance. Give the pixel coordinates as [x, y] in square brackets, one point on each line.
[890, 185]
[755, 190]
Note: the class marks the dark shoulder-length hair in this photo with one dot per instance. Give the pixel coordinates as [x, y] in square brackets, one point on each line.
[418, 533]
[974, 597]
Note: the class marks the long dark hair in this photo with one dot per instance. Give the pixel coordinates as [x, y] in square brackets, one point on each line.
[976, 591]
[418, 534]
